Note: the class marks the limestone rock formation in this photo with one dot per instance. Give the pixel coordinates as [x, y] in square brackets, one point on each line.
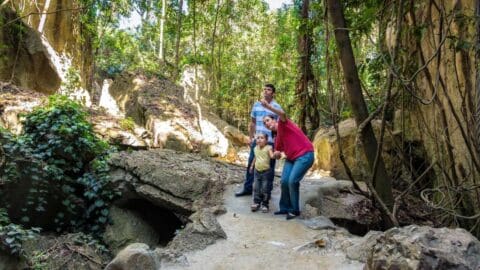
[128, 227]
[417, 247]
[336, 201]
[25, 60]
[203, 231]
[15, 101]
[134, 256]
[63, 40]
[159, 106]
[327, 152]
[176, 181]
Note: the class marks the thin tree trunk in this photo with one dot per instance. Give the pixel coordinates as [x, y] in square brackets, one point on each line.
[195, 50]
[43, 18]
[162, 23]
[195, 84]
[383, 185]
[477, 83]
[304, 66]
[177, 42]
[212, 48]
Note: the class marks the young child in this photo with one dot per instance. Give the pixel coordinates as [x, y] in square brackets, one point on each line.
[261, 166]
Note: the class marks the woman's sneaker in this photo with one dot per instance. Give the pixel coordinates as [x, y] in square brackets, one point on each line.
[264, 209]
[254, 207]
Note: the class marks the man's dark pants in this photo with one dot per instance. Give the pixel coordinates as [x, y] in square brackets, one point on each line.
[249, 177]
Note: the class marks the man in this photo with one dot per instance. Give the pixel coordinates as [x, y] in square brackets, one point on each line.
[257, 126]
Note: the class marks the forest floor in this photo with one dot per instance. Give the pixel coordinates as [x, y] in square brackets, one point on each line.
[263, 241]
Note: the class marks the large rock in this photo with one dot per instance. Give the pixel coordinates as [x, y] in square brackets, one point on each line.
[25, 59]
[337, 201]
[204, 230]
[176, 181]
[64, 38]
[15, 101]
[415, 247]
[127, 228]
[136, 256]
[139, 256]
[327, 155]
[160, 107]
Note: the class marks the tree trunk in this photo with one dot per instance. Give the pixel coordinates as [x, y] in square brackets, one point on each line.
[177, 42]
[477, 83]
[304, 67]
[212, 47]
[382, 183]
[43, 18]
[162, 23]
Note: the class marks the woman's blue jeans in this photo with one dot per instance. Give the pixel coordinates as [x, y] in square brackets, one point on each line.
[293, 173]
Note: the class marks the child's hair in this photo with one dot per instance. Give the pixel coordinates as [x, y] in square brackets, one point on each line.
[271, 116]
[263, 134]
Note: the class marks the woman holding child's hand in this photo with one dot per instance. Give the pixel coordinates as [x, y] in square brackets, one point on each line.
[299, 158]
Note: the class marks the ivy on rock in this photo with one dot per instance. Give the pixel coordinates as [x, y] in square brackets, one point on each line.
[55, 173]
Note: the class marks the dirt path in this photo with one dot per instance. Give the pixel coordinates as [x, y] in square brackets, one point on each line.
[263, 241]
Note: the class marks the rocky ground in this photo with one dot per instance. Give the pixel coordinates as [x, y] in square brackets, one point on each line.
[258, 240]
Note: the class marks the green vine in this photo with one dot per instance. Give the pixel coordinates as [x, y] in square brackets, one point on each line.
[60, 169]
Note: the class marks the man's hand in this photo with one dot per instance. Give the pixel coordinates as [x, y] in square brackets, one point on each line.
[277, 154]
[265, 103]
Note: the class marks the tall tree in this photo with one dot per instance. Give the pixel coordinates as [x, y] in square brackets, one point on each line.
[178, 37]
[162, 22]
[304, 66]
[382, 181]
[477, 90]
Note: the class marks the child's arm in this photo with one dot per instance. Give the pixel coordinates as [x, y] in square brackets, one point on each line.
[253, 165]
[271, 154]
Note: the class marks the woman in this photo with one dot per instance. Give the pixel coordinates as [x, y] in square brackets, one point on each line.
[299, 153]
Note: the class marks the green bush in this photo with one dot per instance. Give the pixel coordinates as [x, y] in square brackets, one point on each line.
[65, 165]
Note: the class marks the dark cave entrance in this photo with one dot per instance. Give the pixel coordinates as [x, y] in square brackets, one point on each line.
[164, 221]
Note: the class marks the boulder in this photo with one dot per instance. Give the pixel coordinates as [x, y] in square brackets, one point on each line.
[327, 156]
[319, 223]
[136, 256]
[160, 107]
[204, 230]
[126, 228]
[180, 182]
[360, 249]
[26, 61]
[423, 247]
[337, 201]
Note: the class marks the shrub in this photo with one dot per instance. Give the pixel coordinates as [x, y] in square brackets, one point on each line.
[61, 168]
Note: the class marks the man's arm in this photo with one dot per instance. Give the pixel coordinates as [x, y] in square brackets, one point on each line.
[281, 114]
[251, 130]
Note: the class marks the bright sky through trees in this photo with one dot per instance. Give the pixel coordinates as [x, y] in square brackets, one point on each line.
[134, 19]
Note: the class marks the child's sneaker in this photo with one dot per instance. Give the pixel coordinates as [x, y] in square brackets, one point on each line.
[264, 209]
[254, 207]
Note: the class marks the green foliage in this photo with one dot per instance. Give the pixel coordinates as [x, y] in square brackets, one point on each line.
[12, 235]
[127, 124]
[66, 166]
[73, 81]
[37, 261]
